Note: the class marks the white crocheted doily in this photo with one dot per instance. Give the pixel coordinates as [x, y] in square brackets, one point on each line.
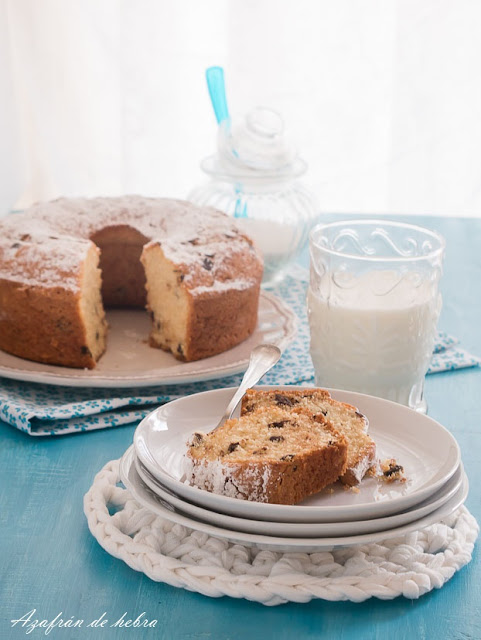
[410, 565]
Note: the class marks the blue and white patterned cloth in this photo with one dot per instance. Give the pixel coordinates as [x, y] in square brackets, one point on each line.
[42, 410]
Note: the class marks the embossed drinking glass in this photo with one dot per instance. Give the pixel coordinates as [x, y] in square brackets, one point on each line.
[373, 305]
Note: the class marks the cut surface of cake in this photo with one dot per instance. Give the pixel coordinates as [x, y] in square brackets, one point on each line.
[62, 262]
[270, 455]
[345, 418]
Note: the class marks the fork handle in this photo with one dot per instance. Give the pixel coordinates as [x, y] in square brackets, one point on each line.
[263, 358]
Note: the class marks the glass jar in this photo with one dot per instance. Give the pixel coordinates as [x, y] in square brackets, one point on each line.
[254, 178]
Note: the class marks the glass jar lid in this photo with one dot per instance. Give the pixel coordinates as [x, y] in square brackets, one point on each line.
[254, 147]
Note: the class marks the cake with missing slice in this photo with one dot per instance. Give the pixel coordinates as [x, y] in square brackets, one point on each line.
[62, 263]
[268, 455]
[345, 418]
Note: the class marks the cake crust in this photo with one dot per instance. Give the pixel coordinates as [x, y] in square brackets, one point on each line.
[26, 335]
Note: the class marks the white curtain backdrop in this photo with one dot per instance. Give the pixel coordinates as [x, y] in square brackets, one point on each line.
[383, 97]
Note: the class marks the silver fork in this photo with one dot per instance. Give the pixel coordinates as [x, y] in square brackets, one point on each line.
[263, 358]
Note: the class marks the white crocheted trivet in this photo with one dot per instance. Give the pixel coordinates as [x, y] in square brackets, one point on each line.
[410, 565]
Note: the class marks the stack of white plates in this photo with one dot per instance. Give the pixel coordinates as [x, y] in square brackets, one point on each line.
[436, 485]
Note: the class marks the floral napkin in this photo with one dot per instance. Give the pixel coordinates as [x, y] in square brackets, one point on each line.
[43, 410]
[449, 356]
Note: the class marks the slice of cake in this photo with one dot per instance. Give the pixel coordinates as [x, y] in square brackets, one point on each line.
[269, 455]
[346, 419]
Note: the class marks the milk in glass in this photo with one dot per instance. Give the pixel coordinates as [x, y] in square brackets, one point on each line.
[373, 333]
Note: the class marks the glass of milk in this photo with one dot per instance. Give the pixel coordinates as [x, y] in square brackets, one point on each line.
[373, 305]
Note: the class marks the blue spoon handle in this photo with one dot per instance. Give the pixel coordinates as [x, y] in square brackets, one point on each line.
[216, 86]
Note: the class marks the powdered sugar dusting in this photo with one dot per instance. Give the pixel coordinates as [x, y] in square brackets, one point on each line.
[223, 478]
[43, 260]
[46, 244]
[218, 285]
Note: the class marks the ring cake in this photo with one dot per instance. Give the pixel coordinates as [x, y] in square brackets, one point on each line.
[62, 262]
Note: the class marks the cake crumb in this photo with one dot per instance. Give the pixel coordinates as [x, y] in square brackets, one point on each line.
[391, 471]
[351, 488]
[374, 471]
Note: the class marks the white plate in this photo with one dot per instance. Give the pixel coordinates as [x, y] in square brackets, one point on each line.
[144, 496]
[295, 529]
[428, 452]
[130, 362]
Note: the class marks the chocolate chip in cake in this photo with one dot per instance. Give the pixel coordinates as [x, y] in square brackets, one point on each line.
[15, 245]
[151, 314]
[85, 351]
[180, 276]
[360, 415]
[283, 400]
[97, 335]
[393, 468]
[260, 451]
[277, 425]
[207, 264]
[158, 324]
[194, 241]
[276, 438]
[25, 237]
[180, 350]
[197, 438]
[248, 408]
[232, 447]
[288, 457]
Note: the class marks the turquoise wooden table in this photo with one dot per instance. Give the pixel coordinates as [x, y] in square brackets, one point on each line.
[50, 562]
